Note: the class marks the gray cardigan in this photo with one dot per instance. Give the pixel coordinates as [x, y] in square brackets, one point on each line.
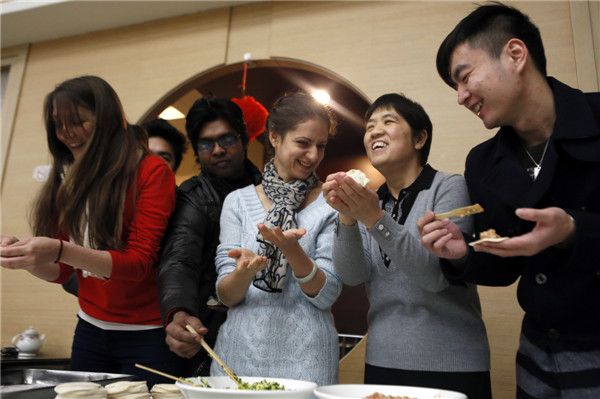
[417, 319]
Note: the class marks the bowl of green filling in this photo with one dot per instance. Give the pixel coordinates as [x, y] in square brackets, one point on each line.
[256, 387]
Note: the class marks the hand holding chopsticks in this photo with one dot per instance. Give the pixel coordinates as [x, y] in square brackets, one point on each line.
[214, 355]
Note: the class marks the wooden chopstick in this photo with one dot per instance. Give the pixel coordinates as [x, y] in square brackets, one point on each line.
[460, 212]
[168, 375]
[212, 353]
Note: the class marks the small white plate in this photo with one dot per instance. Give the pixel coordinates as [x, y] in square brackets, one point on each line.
[497, 239]
[224, 388]
[355, 391]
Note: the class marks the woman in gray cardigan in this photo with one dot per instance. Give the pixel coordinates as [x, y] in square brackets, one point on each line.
[423, 330]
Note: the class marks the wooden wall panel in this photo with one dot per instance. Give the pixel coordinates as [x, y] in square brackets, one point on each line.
[377, 47]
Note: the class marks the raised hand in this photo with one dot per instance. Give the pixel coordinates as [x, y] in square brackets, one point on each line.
[247, 261]
[281, 239]
[442, 238]
[553, 226]
[352, 200]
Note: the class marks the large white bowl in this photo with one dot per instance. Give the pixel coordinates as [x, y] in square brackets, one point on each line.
[352, 391]
[223, 388]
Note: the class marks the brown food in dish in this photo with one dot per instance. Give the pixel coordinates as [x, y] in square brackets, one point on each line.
[491, 233]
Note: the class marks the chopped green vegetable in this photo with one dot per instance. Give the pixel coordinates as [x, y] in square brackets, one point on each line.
[201, 382]
[204, 382]
[263, 385]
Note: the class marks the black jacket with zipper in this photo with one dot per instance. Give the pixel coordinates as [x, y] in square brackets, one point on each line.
[186, 273]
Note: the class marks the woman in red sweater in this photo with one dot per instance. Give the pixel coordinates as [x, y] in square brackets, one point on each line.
[103, 212]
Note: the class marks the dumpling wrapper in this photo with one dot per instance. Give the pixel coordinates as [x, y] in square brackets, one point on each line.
[81, 389]
[495, 239]
[358, 176]
[165, 388]
[128, 390]
[166, 391]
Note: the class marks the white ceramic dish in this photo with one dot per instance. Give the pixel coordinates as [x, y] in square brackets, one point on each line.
[497, 239]
[225, 388]
[353, 391]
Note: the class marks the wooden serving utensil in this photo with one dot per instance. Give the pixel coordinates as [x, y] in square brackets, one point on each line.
[168, 375]
[212, 353]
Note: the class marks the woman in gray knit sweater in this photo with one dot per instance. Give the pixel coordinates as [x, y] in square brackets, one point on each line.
[423, 330]
[274, 258]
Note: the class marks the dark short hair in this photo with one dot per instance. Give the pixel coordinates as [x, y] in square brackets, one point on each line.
[290, 110]
[161, 128]
[412, 112]
[206, 110]
[490, 27]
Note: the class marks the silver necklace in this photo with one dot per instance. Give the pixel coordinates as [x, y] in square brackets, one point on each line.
[538, 166]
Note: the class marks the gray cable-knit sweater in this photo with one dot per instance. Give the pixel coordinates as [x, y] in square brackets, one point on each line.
[417, 319]
[286, 334]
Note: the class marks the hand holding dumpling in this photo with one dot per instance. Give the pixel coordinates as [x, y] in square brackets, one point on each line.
[352, 198]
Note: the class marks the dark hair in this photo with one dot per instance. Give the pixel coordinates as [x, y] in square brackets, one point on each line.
[206, 110]
[161, 128]
[490, 27]
[92, 189]
[412, 112]
[290, 110]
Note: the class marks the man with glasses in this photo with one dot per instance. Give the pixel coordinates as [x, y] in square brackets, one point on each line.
[187, 275]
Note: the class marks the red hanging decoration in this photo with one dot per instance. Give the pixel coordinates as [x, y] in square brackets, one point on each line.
[255, 114]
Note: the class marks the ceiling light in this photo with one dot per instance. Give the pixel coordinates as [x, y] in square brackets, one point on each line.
[171, 113]
[321, 96]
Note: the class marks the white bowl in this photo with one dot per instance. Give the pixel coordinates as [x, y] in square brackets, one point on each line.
[353, 391]
[223, 387]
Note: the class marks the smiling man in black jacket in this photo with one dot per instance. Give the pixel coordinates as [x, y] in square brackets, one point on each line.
[538, 180]
[186, 275]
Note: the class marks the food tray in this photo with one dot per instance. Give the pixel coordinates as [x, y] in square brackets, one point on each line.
[40, 383]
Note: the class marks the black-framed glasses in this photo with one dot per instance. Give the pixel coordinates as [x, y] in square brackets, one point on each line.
[227, 140]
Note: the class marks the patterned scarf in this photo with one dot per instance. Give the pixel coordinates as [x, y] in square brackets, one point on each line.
[287, 198]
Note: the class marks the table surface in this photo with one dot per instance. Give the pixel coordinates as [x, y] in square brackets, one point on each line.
[36, 362]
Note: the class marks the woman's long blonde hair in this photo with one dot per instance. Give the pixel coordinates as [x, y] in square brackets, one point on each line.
[90, 191]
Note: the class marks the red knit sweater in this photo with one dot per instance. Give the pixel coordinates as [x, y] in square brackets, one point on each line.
[130, 295]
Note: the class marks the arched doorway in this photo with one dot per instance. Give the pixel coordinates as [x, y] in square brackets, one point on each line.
[266, 81]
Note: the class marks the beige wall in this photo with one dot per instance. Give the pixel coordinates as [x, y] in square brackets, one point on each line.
[377, 47]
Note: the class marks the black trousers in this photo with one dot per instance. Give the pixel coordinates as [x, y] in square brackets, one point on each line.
[110, 351]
